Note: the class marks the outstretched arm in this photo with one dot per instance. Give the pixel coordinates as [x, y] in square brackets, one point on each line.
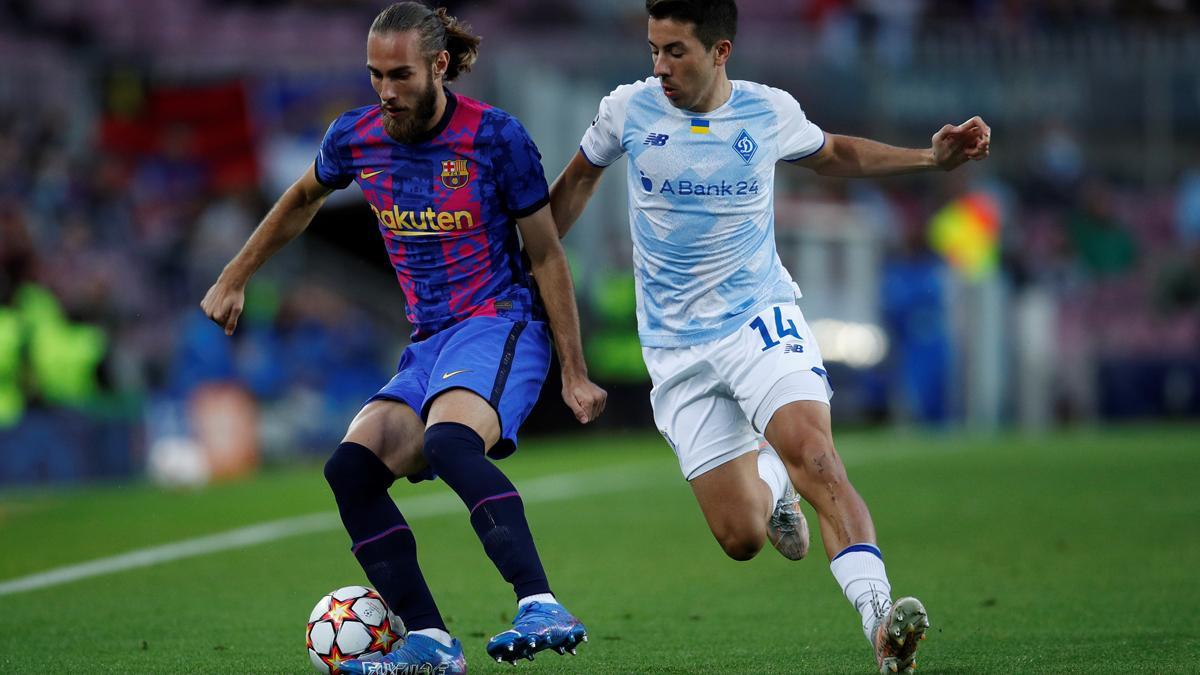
[583, 397]
[287, 219]
[571, 191]
[851, 157]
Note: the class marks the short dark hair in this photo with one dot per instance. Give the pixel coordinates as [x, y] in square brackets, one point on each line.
[714, 19]
[438, 31]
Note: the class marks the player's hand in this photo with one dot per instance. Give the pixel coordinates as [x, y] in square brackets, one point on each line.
[223, 304]
[583, 397]
[954, 145]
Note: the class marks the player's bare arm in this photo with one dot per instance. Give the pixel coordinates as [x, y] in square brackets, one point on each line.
[852, 157]
[571, 191]
[285, 221]
[540, 235]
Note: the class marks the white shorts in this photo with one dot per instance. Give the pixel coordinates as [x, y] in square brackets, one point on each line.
[712, 401]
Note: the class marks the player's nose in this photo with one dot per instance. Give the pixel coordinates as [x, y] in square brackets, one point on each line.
[387, 91]
[660, 66]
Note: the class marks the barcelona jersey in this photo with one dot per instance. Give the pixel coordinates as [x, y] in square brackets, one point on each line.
[447, 208]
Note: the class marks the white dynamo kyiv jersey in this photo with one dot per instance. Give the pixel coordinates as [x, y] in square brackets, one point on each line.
[701, 203]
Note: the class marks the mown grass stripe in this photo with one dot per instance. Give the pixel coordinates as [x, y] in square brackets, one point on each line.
[545, 489]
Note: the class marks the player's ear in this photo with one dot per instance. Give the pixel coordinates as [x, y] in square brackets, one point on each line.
[441, 62]
[721, 51]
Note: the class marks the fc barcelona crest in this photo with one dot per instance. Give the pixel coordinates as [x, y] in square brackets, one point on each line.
[455, 173]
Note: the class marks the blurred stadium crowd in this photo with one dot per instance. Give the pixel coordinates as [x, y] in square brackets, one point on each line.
[140, 142]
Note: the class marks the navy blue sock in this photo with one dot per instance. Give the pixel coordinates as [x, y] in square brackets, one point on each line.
[455, 452]
[382, 541]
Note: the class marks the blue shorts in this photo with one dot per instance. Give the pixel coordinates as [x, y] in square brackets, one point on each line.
[503, 361]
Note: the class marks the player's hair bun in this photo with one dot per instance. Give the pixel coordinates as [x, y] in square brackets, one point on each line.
[462, 44]
[437, 29]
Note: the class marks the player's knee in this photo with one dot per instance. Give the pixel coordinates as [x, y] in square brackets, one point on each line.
[446, 441]
[354, 470]
[337, 473]
[407, 458]
[742, 543]
[741, 549]
[813, 457]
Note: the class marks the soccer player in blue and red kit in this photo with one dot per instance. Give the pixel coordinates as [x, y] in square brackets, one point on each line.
[451, 180]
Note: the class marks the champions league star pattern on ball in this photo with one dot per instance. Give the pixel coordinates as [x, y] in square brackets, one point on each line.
[351, 623]
[446, 207]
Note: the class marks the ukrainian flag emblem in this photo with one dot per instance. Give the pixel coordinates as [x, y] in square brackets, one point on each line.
[699, 126]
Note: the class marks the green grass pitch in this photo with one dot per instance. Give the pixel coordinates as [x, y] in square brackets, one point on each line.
[1068, 552]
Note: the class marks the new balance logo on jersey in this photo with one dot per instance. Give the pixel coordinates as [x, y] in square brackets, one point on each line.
[657, 140]
[793, 348]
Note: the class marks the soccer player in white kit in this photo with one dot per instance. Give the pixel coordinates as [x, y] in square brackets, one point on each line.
[730, 355]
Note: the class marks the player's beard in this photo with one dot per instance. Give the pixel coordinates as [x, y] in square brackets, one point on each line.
[410, 127]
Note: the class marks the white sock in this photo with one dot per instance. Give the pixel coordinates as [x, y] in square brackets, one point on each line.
[859, 571]
[773, 472]
[540, 597]
[437, 634]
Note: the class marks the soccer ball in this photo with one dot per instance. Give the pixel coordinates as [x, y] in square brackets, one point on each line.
[351, 623]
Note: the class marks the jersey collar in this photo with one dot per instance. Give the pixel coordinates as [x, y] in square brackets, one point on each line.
[451, 104]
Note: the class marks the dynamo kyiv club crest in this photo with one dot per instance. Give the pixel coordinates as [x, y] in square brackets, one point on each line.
[745, 146]
[455, 173]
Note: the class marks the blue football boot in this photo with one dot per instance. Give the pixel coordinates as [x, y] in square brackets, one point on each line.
[418, 654]
[538, 626]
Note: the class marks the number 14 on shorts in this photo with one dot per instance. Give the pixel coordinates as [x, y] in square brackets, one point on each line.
[781, 331]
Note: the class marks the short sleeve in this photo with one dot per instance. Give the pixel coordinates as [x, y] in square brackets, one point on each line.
[519, 174]
[329, 164]
[601, 144]
[798, 137]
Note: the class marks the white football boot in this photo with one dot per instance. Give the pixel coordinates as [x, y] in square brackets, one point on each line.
[787, 528]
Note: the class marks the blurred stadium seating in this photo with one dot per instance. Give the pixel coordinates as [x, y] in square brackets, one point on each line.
[141, 140]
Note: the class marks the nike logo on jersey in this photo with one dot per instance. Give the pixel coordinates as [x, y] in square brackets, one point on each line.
[446, 376]
[364, 174]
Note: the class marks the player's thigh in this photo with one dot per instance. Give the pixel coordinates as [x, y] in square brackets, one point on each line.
[704, 426]
[465, 407]
[802, 433]
[774, 360]
[734, 500]
[488, 377]
[393, 431]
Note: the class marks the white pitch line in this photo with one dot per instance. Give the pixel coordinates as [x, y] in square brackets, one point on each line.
[545, 489]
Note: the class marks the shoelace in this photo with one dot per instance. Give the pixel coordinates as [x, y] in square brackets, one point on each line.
[535, 610]
[881, 613]
[784, 519]
[406, 654]
[409, 652]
